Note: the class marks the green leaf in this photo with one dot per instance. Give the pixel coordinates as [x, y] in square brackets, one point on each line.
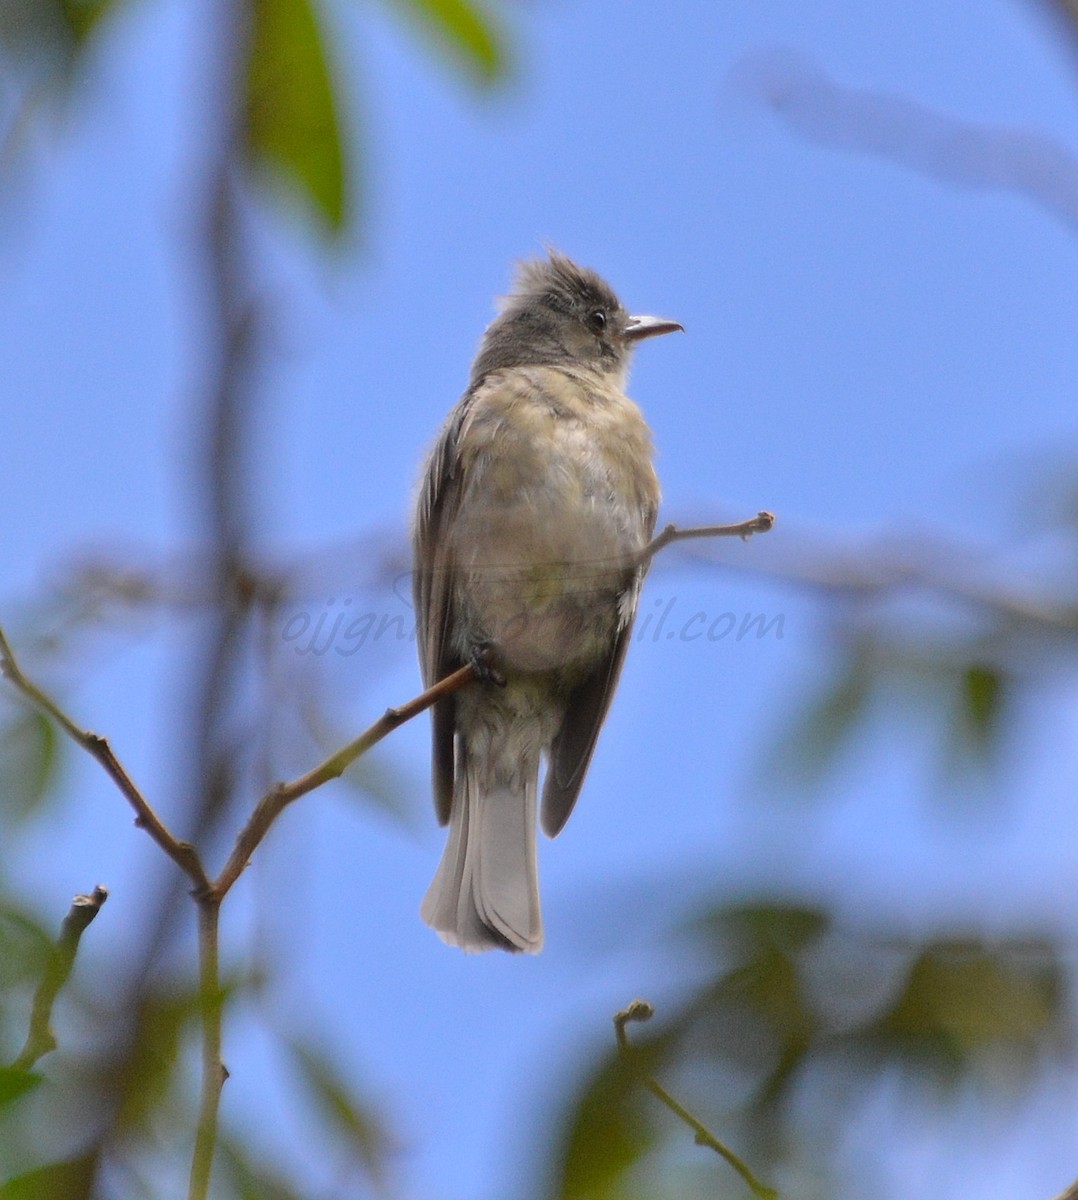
[755, 928]
[292, 122]
[464, 30]
[608, 1131]
[47, 34]
[71, 1180]
[356, 1119]
[15, 1083]
[982, 694]
[82, 15]
[28, 757]
[960, 997]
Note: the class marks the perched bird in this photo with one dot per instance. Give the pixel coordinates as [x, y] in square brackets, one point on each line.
[536, 501]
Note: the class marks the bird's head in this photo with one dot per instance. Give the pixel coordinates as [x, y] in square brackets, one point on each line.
[562, 314]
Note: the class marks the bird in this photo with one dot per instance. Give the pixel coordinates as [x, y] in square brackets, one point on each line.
[536, 503]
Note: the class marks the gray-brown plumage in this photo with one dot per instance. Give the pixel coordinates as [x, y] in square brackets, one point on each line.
[539, 491]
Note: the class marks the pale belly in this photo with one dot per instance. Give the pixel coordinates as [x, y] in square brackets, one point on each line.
[543, 562]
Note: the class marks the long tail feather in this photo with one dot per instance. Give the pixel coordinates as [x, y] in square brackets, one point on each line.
[485, 893]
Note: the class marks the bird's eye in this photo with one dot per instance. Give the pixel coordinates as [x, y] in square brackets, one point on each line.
[597, 320]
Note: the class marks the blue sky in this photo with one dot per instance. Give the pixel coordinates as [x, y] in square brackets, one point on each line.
[867, 350]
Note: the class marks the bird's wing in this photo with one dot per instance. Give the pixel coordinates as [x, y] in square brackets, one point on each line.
[572, 748]
[432, 589]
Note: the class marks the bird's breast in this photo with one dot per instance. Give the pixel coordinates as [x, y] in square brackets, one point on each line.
[558, 491]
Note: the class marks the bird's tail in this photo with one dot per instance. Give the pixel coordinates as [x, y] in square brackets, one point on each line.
[485, 893]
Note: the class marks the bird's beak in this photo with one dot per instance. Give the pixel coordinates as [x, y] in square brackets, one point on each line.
[639, 328]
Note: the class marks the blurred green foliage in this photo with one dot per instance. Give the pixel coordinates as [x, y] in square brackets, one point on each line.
[795, 1016]
[462, 30]
[15, 1082]
[49, 31]
[70, 1179]
[292, 88]
[292, 108]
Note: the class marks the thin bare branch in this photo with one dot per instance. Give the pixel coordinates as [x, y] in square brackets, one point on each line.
[278, 798]
[273, 803]
[763, 522]
[959, 153]
[181, 853]
[214, 1072]
[209, 895]
[641, 1010]
[224, 487]
[40, 1038]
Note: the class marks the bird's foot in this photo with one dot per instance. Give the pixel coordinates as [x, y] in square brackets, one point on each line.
[481, 660]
